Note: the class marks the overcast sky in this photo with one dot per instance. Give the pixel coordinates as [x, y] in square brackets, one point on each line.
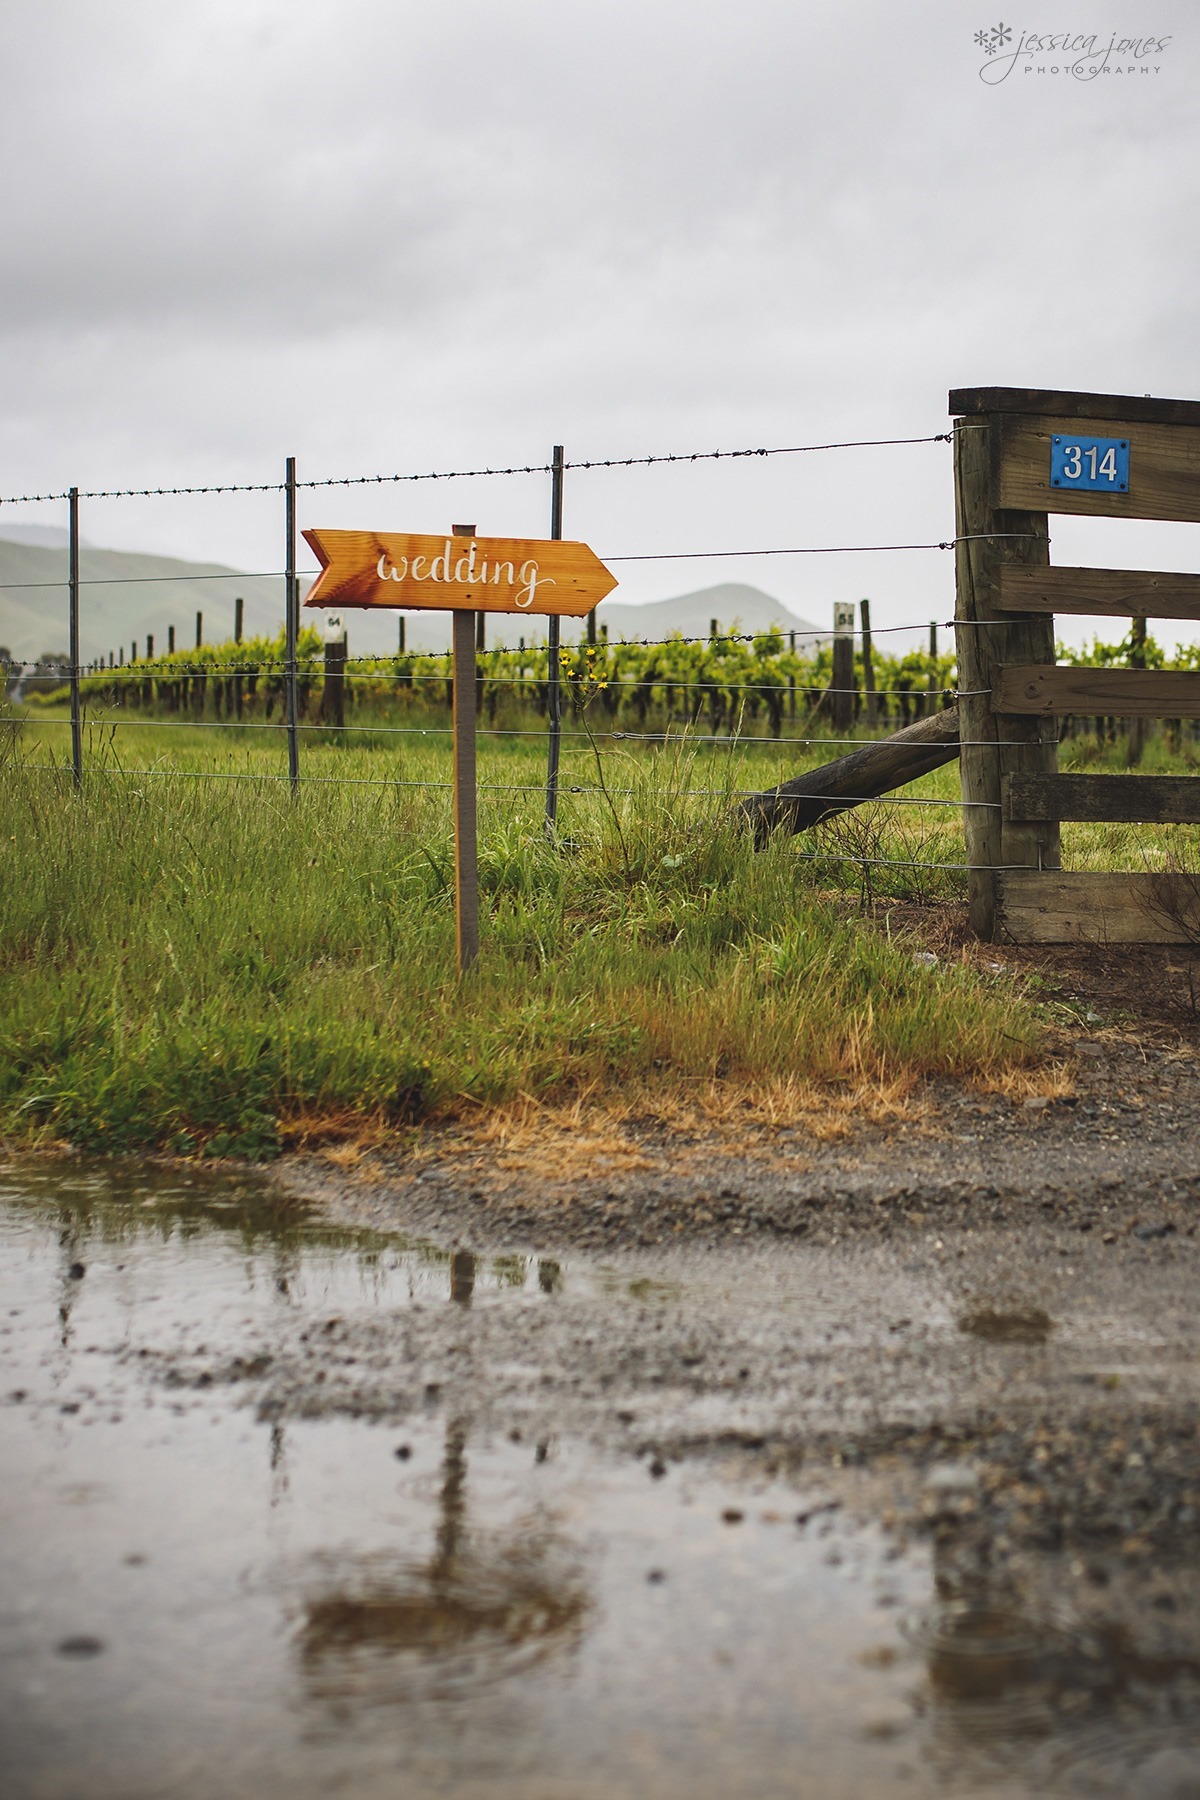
[390, 235]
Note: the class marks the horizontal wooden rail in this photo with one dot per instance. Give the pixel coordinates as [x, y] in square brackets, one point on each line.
[1114, 693]
[1164, 469]
[1127, 593]
[1123, 799]
[1054, 403]
[1053, 906]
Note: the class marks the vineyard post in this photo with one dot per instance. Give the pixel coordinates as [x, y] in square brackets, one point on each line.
[333, 697]
[239, 620]
[868, 662]
[841, 687]
[1136, 742]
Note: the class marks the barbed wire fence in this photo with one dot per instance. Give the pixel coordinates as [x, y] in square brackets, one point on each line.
[287, 671]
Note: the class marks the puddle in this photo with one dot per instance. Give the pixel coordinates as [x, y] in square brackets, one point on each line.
[203, 1595]
[1016, 1325]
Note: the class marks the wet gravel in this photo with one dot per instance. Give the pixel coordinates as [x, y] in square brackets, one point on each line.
[1117, 1154]
[979, 1325]
[976, 1330]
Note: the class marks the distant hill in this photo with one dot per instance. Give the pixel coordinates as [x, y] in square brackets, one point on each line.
[134, 595]
[52, 536]
[729, 603]
[127, 596]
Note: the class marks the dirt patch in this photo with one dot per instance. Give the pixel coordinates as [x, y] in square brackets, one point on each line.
[1147, 987]
[1114, 1120]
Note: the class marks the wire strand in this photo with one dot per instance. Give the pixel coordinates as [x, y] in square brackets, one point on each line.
[613, 462]
[836, 802]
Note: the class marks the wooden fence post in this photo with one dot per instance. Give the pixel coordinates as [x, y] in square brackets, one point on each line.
[995, 744]
[841, 687]
[466, 854]
[1137, 660]
[333, 698]
[868, 662]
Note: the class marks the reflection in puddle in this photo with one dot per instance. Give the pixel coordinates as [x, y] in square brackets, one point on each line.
[977, 1654]
[199, 1598]
[462, 1277]
[1070, 1705]
[484, 1604]
[380, 1630]
[1013, 1325]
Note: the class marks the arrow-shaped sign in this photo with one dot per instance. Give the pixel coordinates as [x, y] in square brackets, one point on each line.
[509, 575]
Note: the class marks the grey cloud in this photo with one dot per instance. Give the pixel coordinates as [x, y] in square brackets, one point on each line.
[401, 235]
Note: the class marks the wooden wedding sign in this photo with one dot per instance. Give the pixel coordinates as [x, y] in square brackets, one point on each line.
[509, 575]
[462, 574]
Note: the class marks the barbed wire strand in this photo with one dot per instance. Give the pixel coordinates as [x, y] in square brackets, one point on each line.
[613, 462]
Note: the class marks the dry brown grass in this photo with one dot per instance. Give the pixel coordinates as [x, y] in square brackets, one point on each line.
[601, 1133]
[597, 1134]
[1053, 1081]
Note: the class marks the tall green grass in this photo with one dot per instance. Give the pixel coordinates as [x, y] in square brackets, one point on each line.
[199, 964]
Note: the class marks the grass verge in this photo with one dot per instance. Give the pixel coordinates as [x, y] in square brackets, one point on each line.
[219, 967]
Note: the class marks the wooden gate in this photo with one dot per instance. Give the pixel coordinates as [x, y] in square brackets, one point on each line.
[1020, 455]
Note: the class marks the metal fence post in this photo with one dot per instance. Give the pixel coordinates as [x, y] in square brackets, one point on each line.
[553, 639]
[291, 624]
[73, 625]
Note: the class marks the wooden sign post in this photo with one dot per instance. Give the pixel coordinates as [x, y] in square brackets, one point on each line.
[466, 835]
[464, 575]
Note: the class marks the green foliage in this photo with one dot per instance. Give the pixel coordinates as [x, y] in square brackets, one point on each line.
[1126, 654]
[726, 686]
[204, 965]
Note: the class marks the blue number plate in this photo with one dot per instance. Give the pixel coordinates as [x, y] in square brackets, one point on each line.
[1089, 464]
